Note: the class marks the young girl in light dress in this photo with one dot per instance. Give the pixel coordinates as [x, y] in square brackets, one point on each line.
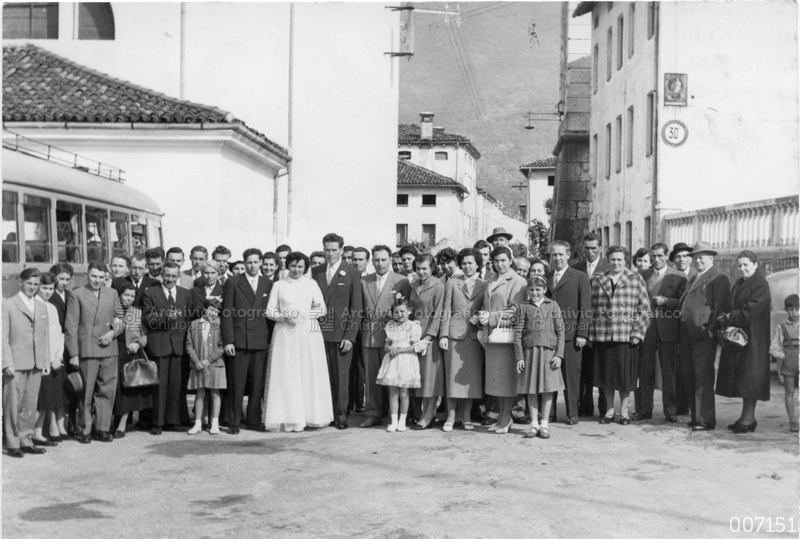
[400, 367]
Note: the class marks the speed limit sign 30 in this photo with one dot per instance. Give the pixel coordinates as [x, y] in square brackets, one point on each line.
[674, 133]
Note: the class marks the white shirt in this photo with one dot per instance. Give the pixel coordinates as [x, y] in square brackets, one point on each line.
[252, 280]
[381, 281]
[205, 329]
[330, 271]
[699, 273]
[471, 283]
[62, 295]
[591, 266]
[559, 274]
[169, 292]
[661, 272]
[27, 301]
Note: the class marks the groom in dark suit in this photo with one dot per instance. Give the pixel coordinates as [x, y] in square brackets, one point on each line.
[341, 289]
[245, 334]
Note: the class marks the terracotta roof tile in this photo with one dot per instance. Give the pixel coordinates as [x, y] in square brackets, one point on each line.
[411, 133]
[547, 162]
[39, 86]
[409, 174]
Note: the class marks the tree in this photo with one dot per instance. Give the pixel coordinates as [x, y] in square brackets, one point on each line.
[539, 238]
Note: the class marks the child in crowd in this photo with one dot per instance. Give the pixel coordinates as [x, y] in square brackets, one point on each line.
[784, 348]
[51, 392]
[204, 347]
[400, 367]
[539, 349]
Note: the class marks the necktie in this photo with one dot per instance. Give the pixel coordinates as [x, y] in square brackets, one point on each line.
[380, 285]
[330, 274]
[254, 284]
[558, 278]
[171, 298]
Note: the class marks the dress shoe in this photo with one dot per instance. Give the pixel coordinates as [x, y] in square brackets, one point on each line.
[572, 420]
[544, 433]
[641, 417]
[261, 428]
[469, 426]
[33, 450]
[15, 452]
[625, 421]
[332, 424]
[794, 425]
[341, 425]
[43, 443]
[83, 438]
[743, 429]
[488, 421]
[733, 425]
[521, 420]
[692, 423]
[119, 434]
[533, 433]
[233, 430]
[702, 426]
[458, 425]
[103, 437]
[672, 418]
[371, 421]
[360, 410]
[197, 429]
[606, 420]
[420, 426]
[57, 439]
[504, 429]
[156, 431]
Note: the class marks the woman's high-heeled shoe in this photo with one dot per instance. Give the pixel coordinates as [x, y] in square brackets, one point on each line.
[605, 420]
[743, 429]
[504, 430]
[735, 424]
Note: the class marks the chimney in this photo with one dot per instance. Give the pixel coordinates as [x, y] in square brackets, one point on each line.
[426, 125]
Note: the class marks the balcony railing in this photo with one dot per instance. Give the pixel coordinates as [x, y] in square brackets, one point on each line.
[771, 223]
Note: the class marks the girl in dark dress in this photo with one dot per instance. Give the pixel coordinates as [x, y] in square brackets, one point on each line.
[744, 372]
[130, 341]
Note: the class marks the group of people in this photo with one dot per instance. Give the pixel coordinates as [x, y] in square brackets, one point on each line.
[480, 335]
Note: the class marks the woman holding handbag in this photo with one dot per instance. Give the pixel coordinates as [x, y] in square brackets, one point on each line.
[744, 370]
[131, 342]
[500, 301]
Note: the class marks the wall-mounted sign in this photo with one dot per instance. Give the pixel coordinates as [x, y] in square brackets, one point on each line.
[674, 133]
[676, 87]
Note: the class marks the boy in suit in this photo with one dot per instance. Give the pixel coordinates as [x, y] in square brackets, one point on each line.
[91, 329]
[26, 357]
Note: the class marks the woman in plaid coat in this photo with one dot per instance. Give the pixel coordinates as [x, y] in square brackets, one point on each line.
[621, 314]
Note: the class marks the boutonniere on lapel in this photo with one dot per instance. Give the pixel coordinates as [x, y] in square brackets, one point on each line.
[342, 273]
[398, 296]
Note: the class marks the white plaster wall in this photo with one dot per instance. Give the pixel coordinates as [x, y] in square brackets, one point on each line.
[446, 215]
[538, 193]
[742, 113]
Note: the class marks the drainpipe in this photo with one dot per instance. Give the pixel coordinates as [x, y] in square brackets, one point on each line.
[290, 119]
[183, 50]
[655, 224]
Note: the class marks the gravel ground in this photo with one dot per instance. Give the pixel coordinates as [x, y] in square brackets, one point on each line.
[651, 479]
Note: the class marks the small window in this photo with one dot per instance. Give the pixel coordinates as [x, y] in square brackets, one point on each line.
[620, 40]
[69, 232]
[595, 20]
[441, 156]
[595, 159]
[119, 234]
[608, 151]
[30, 21]
[138, 235]
[402, 200]
[523, 212]
[95, 21]
[629, 236]
[595, 67]
[609, 52]
[401, 236]
[605, 235]
[629, 145]
[429, 234]
[404, 156]
[631, 26]
[10, 230]
[97, 234]
[36, 215]
[551, 181]
[618, 160]
[651, 19]
[429, 200]
[651, 123]
[646, 231]
[617, 232]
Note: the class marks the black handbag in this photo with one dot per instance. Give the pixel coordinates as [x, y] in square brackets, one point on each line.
[140, 372]
[734, 336]
[74, 383]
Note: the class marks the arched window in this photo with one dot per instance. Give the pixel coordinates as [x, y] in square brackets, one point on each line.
[95, 21]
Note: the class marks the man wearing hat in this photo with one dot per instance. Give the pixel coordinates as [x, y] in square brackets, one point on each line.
[499, 237]
[681, 256]
[707, 296]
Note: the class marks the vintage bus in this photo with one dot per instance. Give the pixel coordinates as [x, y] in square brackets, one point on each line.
[59, 207]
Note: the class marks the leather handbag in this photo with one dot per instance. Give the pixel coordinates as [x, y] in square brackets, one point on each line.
[734, 336]
[74, 382]
[502, 334]
[140, 372]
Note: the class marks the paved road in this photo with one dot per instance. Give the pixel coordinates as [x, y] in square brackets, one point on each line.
[591, 480]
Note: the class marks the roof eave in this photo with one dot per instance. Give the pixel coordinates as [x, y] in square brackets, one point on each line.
[584, 8]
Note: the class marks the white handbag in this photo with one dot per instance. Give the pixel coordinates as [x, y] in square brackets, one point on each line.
[502, 334]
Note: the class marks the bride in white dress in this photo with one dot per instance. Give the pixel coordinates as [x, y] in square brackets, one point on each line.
[299, 393]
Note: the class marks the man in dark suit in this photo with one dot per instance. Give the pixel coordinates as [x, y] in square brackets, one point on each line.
[665, 286]
[91, 328]
[246, 334]
[165, 315]
[155, 262]
[139, 278]
[681, 256]
[485, 272]
[592, 263]
[570, 289]
[378, 292]
[341, 289]
[706, 297]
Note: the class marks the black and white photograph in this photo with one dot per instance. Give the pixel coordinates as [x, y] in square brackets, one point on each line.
[400, 270]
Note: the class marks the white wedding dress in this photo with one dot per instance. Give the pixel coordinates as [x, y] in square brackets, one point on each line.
[299, 393]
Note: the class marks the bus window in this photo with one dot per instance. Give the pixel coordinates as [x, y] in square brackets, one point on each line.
[69, 232]
[119, 234]
[96, 234]
[36, 215]
[138, 235]
[10, 235]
